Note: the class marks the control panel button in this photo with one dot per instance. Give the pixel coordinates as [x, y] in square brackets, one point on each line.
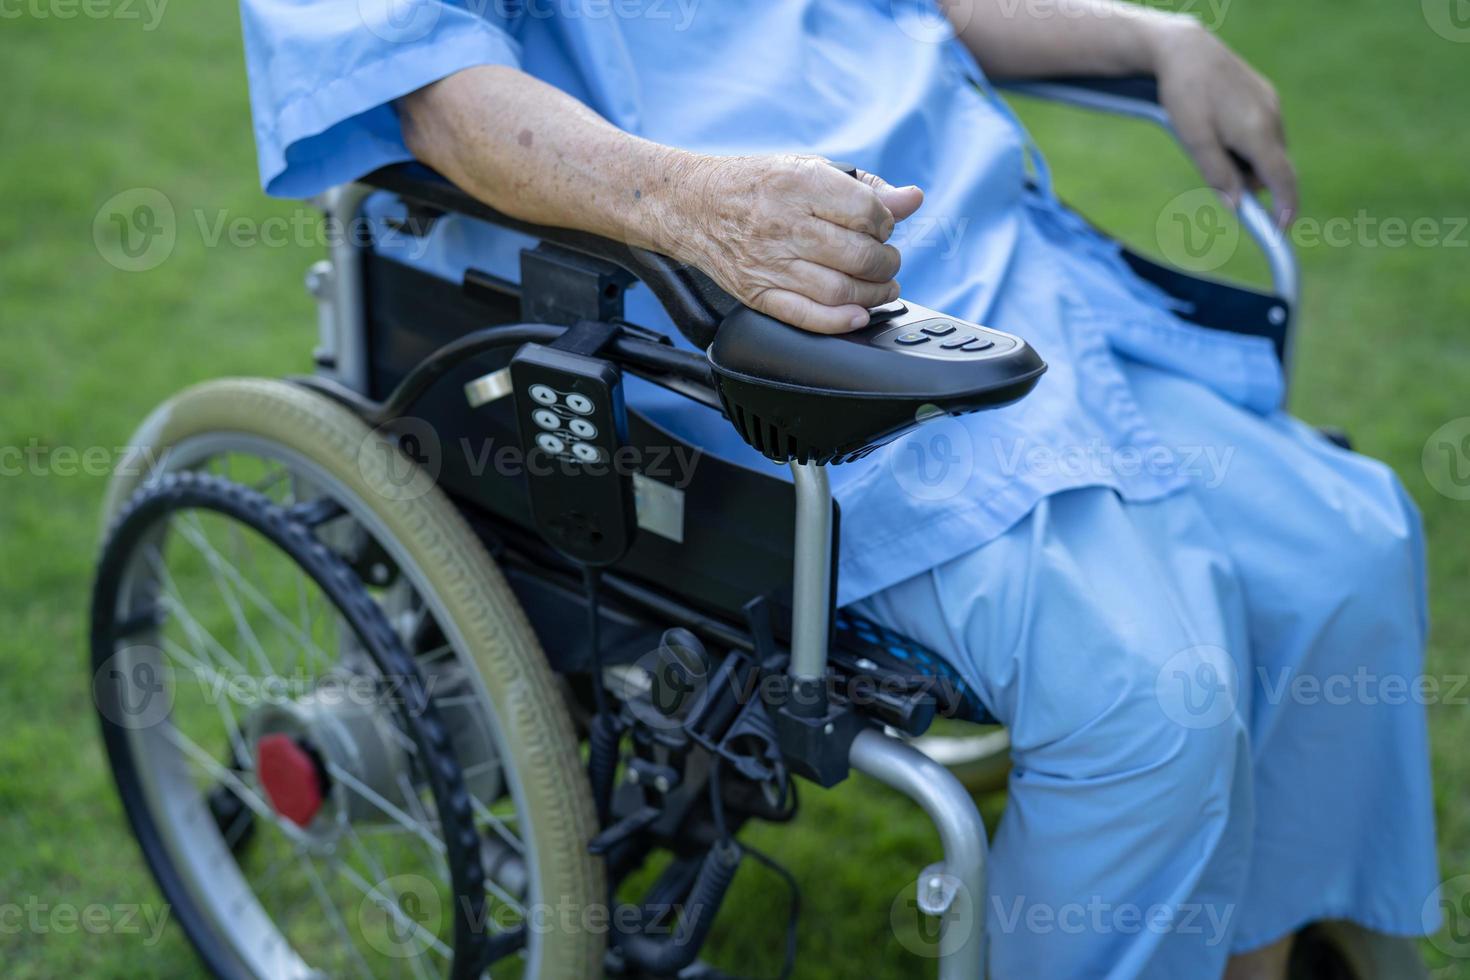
[910, 339]
[543, 395]
[586, 452]
[978, 344]
[888, 311]
[550, 444]
[580, 404]
[938, 329]
[955, 343]
[546, 418]
[582, 429]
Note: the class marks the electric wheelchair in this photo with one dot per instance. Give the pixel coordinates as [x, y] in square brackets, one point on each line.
[377, 705]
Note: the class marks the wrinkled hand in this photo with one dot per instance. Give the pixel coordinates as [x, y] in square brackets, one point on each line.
[793, 237]
[1220, 105]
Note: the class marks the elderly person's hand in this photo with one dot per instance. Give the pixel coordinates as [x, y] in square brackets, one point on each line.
[792, 236]
[1219, 106]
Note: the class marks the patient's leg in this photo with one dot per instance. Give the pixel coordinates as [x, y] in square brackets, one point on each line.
[1098, 632]
[1327, 548]
[1214, 702]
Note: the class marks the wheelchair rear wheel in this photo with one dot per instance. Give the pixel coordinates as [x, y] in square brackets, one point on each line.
[374, 826]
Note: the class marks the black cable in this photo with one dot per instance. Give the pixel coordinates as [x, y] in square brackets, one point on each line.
[789, 963]
[605, 734]
[591, 577]
[717, 808]
[716, 801]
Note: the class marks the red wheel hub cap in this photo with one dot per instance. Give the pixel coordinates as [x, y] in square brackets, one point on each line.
[290, 777]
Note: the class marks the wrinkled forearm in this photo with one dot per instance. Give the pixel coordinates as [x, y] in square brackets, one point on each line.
[1038, 38]
[537, 154]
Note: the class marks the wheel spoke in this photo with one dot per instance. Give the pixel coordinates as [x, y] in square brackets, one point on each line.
[333, 913]
[392, 908]
[377, 800]
[483, 812]
[218, 683]
[172, 602]
[226, 776]
[267, 607]
[193, 532]
[376, 870]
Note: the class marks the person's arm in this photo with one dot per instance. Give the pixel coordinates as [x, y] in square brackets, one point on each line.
[787, 235]
[1217, 102]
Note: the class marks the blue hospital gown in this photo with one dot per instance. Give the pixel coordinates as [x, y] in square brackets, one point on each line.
[1128, 563]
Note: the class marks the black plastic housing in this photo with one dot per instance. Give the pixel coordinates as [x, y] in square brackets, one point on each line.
[582, 504]
[797, 395]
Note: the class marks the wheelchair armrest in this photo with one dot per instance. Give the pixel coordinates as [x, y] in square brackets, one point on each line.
[693, 300]
[1129, 95]
[791, 394]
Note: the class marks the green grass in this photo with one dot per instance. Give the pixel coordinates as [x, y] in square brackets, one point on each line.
[100, 106]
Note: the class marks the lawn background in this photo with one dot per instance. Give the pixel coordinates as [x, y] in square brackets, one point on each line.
[1375, 101]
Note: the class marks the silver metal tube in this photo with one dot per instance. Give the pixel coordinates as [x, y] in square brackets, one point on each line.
[1280, 257]
[962, 834]
[342, 205]
[812, 574]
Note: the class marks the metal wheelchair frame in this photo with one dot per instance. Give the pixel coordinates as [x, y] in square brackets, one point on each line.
[953, 888]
